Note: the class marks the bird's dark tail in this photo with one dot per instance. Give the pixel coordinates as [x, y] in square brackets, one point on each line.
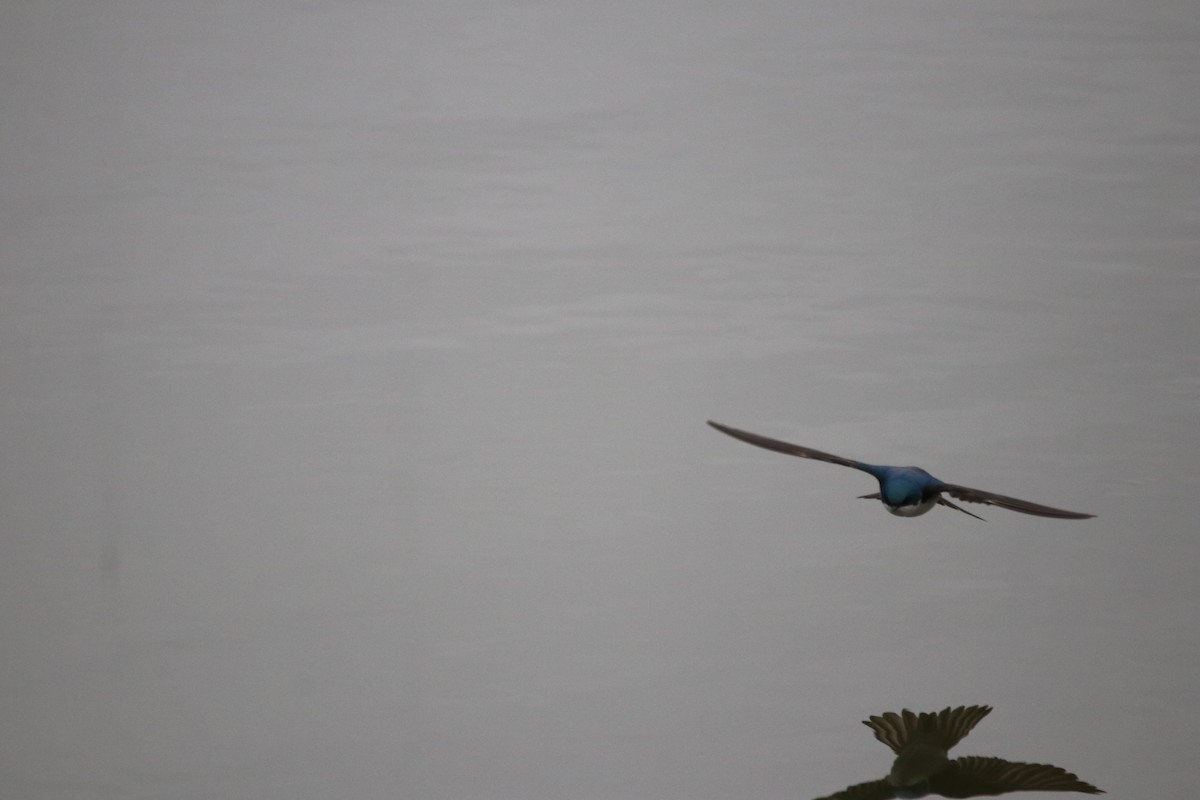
[942, 729]
[944, 502]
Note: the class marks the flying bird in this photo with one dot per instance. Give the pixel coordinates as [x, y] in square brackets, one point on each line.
[921, 743]
[906, 491]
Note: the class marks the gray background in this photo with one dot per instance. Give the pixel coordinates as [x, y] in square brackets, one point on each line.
[356, 356]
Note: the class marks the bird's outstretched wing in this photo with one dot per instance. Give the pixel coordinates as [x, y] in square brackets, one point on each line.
[942, 729]
[975, 776]
[786, 447]
[873, 790]
[969, 495]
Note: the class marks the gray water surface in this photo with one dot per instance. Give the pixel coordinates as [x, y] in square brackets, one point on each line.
[355, 358]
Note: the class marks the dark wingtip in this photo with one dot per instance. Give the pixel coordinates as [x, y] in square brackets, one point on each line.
[1065, 515]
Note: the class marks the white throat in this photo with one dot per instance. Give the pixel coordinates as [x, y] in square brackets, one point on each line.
[913, 511]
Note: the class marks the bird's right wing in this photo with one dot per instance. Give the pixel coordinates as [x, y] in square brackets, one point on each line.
[974, 776]
[873, 790]
[969, 495]
[786, 447]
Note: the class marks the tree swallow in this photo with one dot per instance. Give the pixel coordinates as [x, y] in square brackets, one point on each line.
[906, 491]
[921, 743]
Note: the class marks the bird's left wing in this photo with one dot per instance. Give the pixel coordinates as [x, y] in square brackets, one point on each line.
[969, 495]
[975, 776]
[786, 447]
[872, 790]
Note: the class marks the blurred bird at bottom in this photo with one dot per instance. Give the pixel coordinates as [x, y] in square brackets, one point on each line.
[922, 767]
